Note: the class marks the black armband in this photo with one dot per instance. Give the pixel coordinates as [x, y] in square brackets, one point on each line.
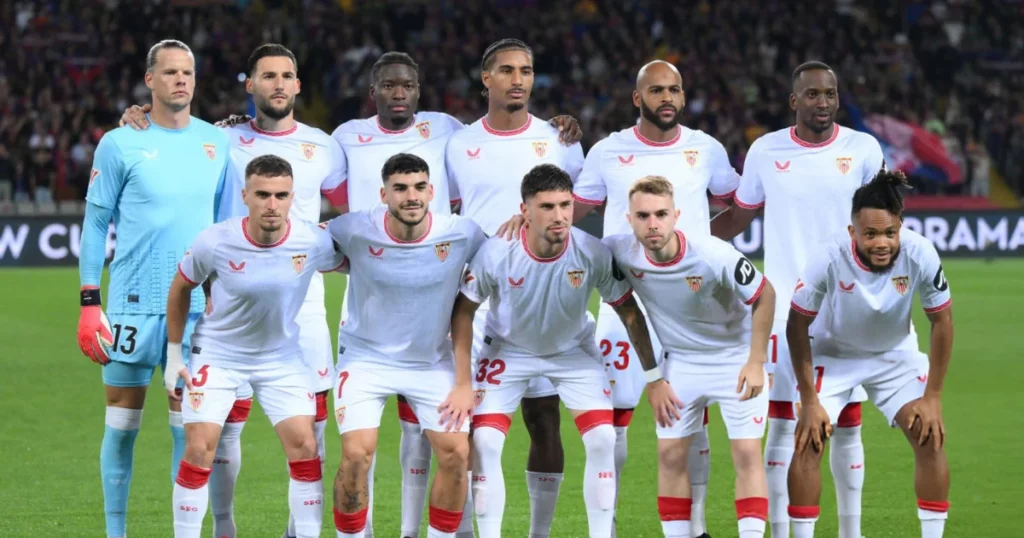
[91, 297]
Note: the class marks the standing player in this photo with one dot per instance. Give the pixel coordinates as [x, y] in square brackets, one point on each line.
[320, 167]
[406, 264]
[697, 289]
[250, 338]
[862, 284]
[804, 177]
[160, 188]
[486, 163]
[538, 289]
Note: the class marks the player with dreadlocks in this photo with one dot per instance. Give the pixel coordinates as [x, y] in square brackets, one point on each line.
[860, 287]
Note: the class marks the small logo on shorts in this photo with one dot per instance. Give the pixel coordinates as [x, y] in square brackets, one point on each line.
[133, 298]
[758, 420]
[322, 373]
[339, 415]
[196, 350]
[195, 400]
[311, 396]
[478, 396]
[608, 393]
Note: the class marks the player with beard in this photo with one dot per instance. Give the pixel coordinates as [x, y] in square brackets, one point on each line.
[804, 176]
[694, 163]
[319, 167]
[858, 290]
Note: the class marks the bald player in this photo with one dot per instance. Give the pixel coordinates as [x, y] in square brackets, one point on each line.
[804, 177]
[695, 163]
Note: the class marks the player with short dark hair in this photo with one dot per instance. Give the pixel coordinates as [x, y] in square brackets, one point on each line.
[804, 177]
[160, 188]
[250, 338]
[537, 326]
[858, 290]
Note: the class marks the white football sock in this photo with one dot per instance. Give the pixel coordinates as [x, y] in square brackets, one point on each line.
[414, 457]
[699, 468]
[599, 478]
[846, 458]
[778, 452]
[802, 528]
[466, 526]
[368, 533]
[488, 481]
[543, 489]
[190, 499]
[933, 522]
[676, 529]
[306, 497]
[227, 462]
[752, 527]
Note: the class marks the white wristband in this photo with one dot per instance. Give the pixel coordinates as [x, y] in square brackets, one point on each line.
[654, 374]
[175, 363]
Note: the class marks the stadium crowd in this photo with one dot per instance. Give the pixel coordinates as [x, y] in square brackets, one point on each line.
[70, 67]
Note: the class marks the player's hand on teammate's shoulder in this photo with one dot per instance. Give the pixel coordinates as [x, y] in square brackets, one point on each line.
[925, 421]
[813, 427]
[665, 403]
[569, 129]
[457, 407]
[135, 117]
[233, 120]
[510, 230]
[751, 375]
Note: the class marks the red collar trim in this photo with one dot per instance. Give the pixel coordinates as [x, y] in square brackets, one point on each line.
[287, 232]
[534, 257]
[521, 130]
[390, 132]
[673, 261]
[430, 224]
[856, 258]
[252, 125]
[649, 142]
[806, 144]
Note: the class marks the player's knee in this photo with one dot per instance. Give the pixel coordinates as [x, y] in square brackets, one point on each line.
[673, 456]
[488, 442]
[305, 447]
[806, 459]
[199, 449]
[356, 457]
[542, 417]
[746, 455]
[600, 439]
[453, 457]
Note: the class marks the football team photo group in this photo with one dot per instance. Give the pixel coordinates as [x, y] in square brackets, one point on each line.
[468, 298]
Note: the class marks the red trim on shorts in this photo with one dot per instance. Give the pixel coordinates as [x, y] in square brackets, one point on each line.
[594, 418]
[189, 280]
[406, 414]
[587, 201]
[849, 417]
[622, 299]
[781, 410]
[939, 308]
[430, 224]
[707, 416]
[321, 406]
[350, 523]
[673, 261]
[804, 143]
[513, 132]
[726, 196]
[804, 512]
[756, 507]
[338, 195]
[286, 132]
[649, 142]
[444, 520]
[240, 411]
[622, 417]
[309, 470]
[674, 508]
[758, 292]
[736, 200]
[933, 506]
[534, 257]
[804, 311]
[497, 421]
[287, 232]
[191, 476]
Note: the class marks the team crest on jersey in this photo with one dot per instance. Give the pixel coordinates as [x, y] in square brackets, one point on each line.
[540, 148]
[211, 151]
[695, 282]
[339, 415]
[195, 400]
[309, 151]
[691, 157]
[442, 249]
[424, 129]
[843, 164]
[901, 283]
[575, 278]
[299, 262]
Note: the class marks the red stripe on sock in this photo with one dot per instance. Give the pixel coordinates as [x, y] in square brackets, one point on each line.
[321, 406]
[781, 410]
[933, 506]
[674, 508]
[350, 523]
[804, 512]
[192, 476]
[405, 413]
[444, 520]
[849, 417]
[306, 470]
[240, 411]
[594, 418]
[492, 420]
[752, 507]
[706, 416]
[622, 417]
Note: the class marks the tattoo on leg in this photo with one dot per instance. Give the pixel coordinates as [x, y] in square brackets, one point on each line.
[350, 501]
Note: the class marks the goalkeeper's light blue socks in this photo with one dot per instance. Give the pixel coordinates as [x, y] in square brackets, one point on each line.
[116, 454]
[178, 436]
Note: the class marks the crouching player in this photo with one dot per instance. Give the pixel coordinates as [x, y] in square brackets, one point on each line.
[858, 290]
[259, 268]
[537, 327]
[697, 290]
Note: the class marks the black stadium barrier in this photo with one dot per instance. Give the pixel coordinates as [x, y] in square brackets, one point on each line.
[53, 241]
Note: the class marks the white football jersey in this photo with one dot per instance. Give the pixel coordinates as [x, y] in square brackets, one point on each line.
[538, 306]
[861, 313]
[401, 294]
[256, 290]
[368, 146]
[699, 301]
[807, 193]
[486, 167]
[694, 162]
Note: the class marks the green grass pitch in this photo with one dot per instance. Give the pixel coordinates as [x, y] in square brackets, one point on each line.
[52, 409]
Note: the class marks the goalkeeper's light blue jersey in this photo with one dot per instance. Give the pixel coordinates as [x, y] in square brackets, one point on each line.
[162, 186]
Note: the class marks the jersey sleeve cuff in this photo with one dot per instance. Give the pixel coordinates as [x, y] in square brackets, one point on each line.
[939, 308]
[744, 205]
[726, 196]
[471, 295]
[339, 267]
[620, 300]
[187, 279]
[804, 311]
[757, 293]
[588, 201]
